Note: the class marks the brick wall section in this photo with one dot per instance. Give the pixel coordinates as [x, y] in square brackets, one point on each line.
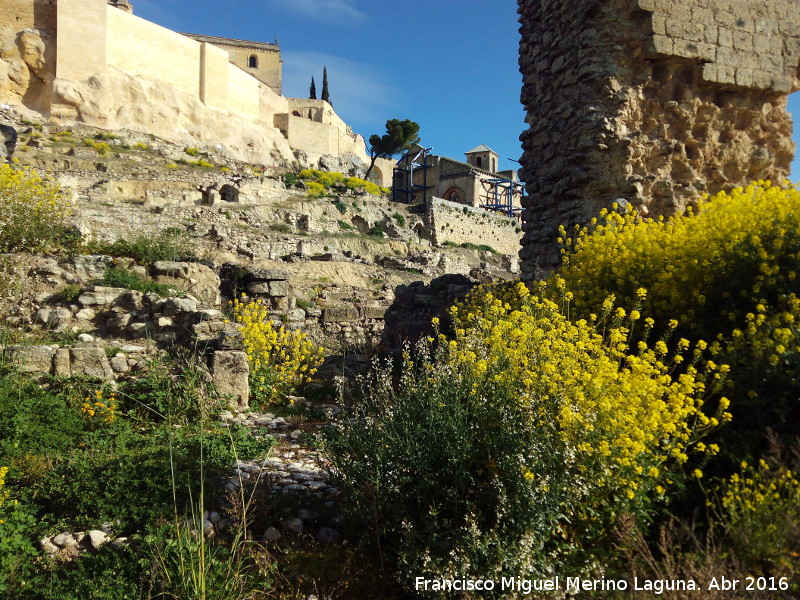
[651, 103]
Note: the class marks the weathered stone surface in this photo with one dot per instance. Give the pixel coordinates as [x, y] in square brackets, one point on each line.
[31, 359]
[337, 314]
[195, 278]
[372, 312]
[230, 373]
[652, 101]
[100, 296]
[276, 289]
[264, 274]
[90, 362]
[8, 141]
[91, 266]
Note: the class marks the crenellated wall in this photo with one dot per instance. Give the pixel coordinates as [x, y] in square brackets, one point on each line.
[650, 103]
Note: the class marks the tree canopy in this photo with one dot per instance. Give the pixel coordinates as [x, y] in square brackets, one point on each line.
[312, 91]
[399, 137]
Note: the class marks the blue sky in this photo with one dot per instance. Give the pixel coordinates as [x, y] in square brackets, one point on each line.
[450, 65]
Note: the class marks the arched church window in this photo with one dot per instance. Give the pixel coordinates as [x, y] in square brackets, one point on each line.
[252, 62]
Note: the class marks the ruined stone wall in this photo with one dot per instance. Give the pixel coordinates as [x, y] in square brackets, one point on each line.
[458, 224]
[650, 103]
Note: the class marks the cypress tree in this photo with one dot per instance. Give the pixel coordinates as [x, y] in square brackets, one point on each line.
[312, 91]
[325, 94]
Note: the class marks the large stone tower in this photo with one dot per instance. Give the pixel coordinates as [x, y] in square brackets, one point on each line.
[649, 102]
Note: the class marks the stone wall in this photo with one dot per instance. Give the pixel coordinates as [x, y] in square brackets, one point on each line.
[651, 103]
[453, 223]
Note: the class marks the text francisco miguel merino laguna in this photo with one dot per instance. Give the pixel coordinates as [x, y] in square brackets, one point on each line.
[568, 584]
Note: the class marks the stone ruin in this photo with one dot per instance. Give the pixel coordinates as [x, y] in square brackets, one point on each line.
[649, 103]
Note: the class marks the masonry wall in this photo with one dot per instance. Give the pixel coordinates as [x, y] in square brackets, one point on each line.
[149, 50]
[649, 103]
[455, 223]
[81, 45]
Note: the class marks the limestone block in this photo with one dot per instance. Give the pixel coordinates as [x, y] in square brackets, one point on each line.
[338, 314]
[100, 296]
[90, 362]
[91, 266]
[61, 363]
[373, 312]
[264, 274]
[278, 289]
[36, 360]
[231, 373]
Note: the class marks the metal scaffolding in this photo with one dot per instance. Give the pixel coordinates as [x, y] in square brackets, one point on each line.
[501, 196]
[403, 186]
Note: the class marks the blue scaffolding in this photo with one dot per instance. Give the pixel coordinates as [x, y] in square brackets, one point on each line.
[403, 186]
[501, 197]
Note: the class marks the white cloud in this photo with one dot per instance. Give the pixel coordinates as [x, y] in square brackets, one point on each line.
[324, 9]
[361, 94]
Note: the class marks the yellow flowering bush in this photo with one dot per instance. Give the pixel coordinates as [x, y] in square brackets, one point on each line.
[280, 359]
[318, 182]
[32, 210]
[729, 274]
[101, 407]
[760, 511]
[513, 444]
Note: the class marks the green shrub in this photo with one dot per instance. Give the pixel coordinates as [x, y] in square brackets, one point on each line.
[344, 225]
[399, 219]
[192, 151]
[376, 231]
[337, 202]
[513, 447]
[168, 244]
[120, 277]
[70, 292]
[33, 211]
[142, 146]
[290, 179]
[281, 227]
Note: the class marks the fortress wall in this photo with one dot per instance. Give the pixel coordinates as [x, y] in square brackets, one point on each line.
[271, 104]
[81, 47]
[150, 51]
[650, 104]
[214, 67]
[244, 93]
[311, 137]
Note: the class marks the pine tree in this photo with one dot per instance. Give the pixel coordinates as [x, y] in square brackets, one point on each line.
[312, 91]
[325, 94]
